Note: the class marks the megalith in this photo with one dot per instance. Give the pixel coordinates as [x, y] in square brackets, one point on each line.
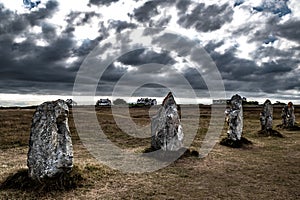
[166, 130]
[266, 116]
[234, 118]
[288, 116]
[50, 145]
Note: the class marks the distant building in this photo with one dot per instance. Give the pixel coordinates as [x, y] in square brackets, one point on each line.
[278, 103]
[221, 101]
[251, 103]
[146, 102]
[103, 102]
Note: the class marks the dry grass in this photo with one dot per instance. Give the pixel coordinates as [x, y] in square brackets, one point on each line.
[268, 169]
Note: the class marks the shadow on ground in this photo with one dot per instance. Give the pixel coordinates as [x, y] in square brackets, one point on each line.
[267, 133]
[63, 182]
[243, 142]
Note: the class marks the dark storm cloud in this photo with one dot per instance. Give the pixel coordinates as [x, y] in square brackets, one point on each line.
[161, 22]
[289, 30]
[102, 2]
[195, 79]
[158, 80]
[277, 7]
[49, 31]
[86, 47]
[41, 68]
[175, 42]
[72, 16]
[57, 50]
[27, 59]
[238, 2]
[233, 68]
[143, 56]
[206, 18]
[212, 45]
[273, 53]
[120, 25]
[272, 28]
[35, 75]
[156, 67]
[137, 58]
[281, 66]
[266, 34]
[11, 22]
[81, 19]
[110, 77]
[36, 87]
[36, 17]
[150, 9]
[245, 75]
[183, 5]
[26, 65]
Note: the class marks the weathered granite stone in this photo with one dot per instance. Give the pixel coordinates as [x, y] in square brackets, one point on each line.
[266, 116]
[50, 145]
[234, 118]
[166, 130]
[288, 116]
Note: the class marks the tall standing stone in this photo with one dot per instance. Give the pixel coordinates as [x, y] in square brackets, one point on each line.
[166, 129]
[50, 145]
[288, 115]
[266, 116]
[234, 118]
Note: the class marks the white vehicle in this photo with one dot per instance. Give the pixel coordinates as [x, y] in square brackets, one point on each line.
[103, 102]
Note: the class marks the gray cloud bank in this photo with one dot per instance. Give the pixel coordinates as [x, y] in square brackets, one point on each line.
[26, 67]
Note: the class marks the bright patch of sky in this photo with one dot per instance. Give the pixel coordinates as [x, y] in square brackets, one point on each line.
[41, 43]
[28, 99]
[129, 68]
[295, 4]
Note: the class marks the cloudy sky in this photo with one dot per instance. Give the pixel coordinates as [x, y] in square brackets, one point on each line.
[254, 45]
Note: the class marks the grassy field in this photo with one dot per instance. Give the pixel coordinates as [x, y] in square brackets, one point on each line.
[268, 169]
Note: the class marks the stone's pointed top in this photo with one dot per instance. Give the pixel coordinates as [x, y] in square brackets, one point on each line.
[267, 102]
[236, 101]
[169, 99]
[236, 97]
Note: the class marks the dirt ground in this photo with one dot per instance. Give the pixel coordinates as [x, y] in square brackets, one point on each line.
[267, 169]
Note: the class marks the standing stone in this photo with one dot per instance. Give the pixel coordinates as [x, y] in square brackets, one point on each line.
[288, 116]
[50, 145]
[266, 116]
[166, 130]
[234, 118]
